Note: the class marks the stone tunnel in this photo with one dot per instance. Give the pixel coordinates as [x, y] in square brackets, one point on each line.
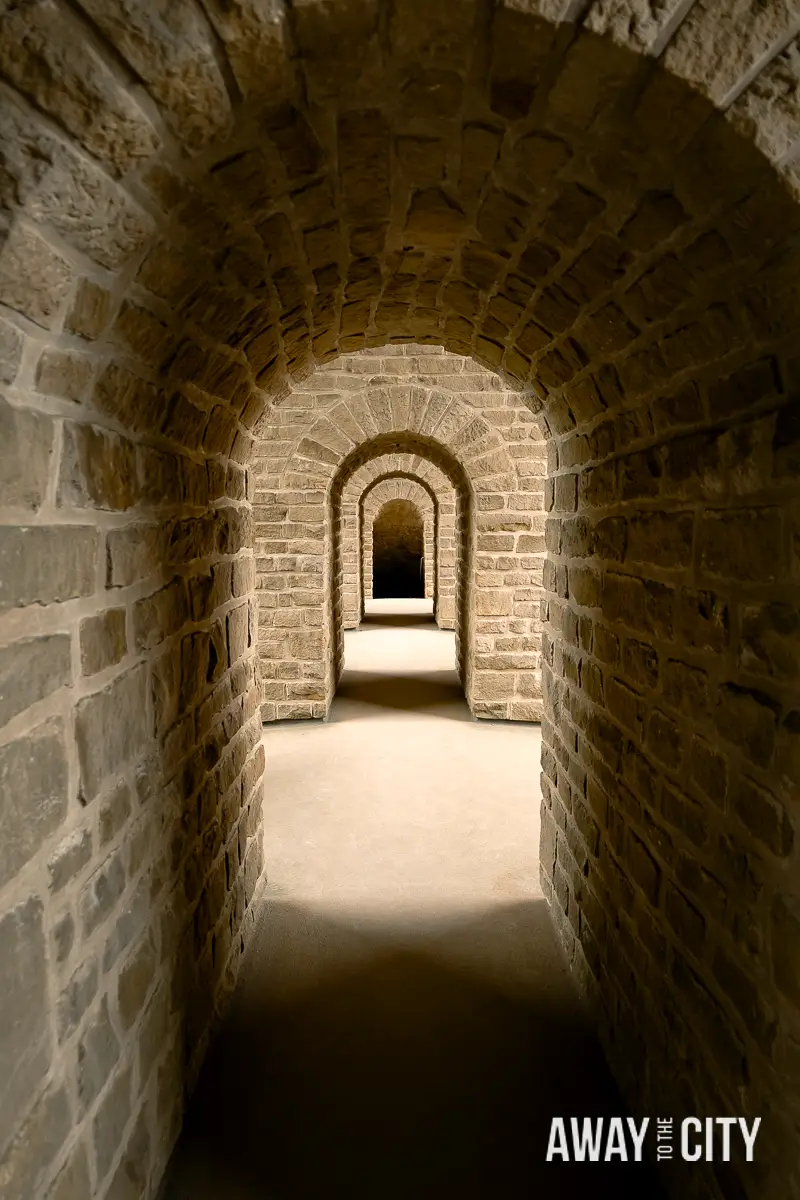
[532, 264]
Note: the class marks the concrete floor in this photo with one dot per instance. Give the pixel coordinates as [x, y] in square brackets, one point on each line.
[405, 1027]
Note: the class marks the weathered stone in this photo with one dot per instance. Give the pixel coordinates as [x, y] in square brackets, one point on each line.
[98, 1054]
[69, 858]
[26, 443]
[72, 1182]
[25, 1048]
[11, 344]
[91, 310]
[35, 1146]
[40, 565]
[32, 669]
[76, 998]
[98, 469]
[134, 553]
[111, 728]
[34, 793]
[34, 278]
[131, 1175]
[114, 812]
[110, 1120]
[103, 640]
[63, 937]
[101, 893]
[135, 978]
[43, 56]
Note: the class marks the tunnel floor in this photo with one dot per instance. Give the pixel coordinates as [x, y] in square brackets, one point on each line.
[404, 1026]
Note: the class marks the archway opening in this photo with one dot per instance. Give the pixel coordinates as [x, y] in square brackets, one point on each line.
[398, 552]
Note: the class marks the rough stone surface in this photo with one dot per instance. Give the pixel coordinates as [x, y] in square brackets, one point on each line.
[34, 783]
[25, 1048]
[204, 212]
[31, 670]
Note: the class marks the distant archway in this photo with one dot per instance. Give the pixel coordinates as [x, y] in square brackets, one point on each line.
[398, 552]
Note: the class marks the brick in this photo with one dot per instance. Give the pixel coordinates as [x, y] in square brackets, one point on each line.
[25, 1049]
[41, 565]
[111, 728]
[34, 794]
[31, 670]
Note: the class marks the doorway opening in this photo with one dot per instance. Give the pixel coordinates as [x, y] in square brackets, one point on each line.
[398, 552]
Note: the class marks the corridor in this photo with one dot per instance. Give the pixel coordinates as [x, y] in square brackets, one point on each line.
[405, 1025]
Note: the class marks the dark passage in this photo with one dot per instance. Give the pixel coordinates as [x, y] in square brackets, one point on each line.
[397, 552]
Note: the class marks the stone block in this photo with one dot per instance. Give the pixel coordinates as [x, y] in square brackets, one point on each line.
[41, 565]
[34, 794]
[72, 1181]
[35, 1146]
[110, 1120]
[34, 278]
[129, 1181]
[111, 728]
[32, 669]
[98, 469]
[76, 998]
[69, 858]
[114, 812]
[135, 978]
[103, 640]
[98, 1054]
[26, 445]
[100, 895]
[25, 1046]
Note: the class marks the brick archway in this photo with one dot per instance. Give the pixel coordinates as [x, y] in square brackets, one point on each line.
[399, 487]
[203, 208]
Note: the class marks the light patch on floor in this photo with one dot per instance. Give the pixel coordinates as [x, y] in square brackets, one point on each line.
[401, 804]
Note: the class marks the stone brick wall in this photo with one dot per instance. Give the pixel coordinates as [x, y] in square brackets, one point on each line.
[597, 201]
[314, 450]
[424, 505]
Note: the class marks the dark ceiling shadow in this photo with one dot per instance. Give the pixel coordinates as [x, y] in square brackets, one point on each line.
[393, 1065]
[437, 692]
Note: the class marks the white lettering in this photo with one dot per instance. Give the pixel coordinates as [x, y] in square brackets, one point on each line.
[615, 1143]
[709, 1139]
[726, 1123]
[589, 1140]
[749, 1138]
[558, 1140]
[690, 1123]
[637, 1136]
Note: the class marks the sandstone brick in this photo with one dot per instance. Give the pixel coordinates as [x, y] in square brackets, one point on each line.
[34, 278]
[34, 793]
[69, 858]
[36, 1146]
[32, 669]
[103, 640]
[25, 1049]
[76, 998]
[41, 565]
[111, 728]
[26, 441]
[98, 1054]
[72, 1181]
[110, 1120]
[100, 894]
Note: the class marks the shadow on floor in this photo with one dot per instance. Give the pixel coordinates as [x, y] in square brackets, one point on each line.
[400, 1063]
[435, 690]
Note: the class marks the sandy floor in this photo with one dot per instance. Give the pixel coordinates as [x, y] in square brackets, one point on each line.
[405, 1027]
[396, 806]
